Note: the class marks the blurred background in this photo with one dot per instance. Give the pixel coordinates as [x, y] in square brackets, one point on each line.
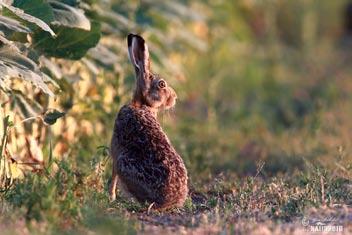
[263, 115]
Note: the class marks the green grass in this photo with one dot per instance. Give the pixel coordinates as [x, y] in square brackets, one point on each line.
[63, 200]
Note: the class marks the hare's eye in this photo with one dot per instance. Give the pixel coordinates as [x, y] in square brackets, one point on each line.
[161, 84]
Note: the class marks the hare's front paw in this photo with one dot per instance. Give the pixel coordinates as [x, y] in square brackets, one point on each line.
[112, 192]
[113, 186]
[112, 196]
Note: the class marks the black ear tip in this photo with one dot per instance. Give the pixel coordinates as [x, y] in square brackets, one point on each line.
[129, 39]
[131, 36]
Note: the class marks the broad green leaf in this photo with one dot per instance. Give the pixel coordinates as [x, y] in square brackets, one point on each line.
[26, 107]
[12, 29]
[29, 18]
[71, 2]
[51, 67]
[23, 108]
[57, 12]
[14, 64]
[67, 93]
[37, 8]
[114, 19]
[70, 43]
[51, 116]
[104, 56]
[69, 16]
[4, 40]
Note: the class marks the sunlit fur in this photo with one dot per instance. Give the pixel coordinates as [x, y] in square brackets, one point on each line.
[144, 161]
[160, 98]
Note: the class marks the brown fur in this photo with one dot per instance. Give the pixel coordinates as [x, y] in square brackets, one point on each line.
[144, 161]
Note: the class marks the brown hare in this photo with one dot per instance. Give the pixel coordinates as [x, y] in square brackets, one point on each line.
[145, 163]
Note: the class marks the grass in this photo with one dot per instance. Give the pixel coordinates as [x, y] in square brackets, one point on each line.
[63, 200]
[251, 177]
[265, 185]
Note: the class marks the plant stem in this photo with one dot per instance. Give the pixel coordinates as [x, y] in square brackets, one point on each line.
[4, 137]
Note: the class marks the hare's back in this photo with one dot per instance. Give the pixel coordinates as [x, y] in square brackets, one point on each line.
[137, 130]
[147, 163]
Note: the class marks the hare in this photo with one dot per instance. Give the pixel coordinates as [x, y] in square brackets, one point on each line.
[144, 162]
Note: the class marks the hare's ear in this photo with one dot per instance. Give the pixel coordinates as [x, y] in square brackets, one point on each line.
[139, 54]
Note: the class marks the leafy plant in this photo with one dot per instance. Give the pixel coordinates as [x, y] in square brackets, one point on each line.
[22, 23]
[6, 178]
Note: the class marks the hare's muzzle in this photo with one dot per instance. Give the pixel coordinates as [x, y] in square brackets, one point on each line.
[171, 99]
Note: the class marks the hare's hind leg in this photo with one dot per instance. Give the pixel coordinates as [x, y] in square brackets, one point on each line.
[113, 184]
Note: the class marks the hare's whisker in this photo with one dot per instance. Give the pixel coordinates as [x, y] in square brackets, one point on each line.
[172, 111]
[162, 117]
